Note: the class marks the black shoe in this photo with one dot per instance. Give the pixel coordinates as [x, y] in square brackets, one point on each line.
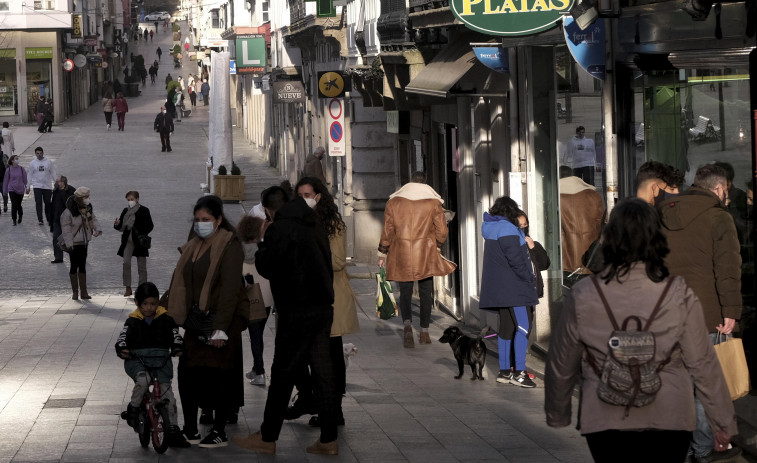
[163, 150]
[19, 220]
[299, 408]
[193, 437]
[175, 438]
[206, 417]
[132, 416]
[213, 440]
[169, 150]
[41, 222]
[56, 261]
[316, 422]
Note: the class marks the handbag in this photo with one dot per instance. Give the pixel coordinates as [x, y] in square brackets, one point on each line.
[144, 241]
[386, 307]
[62, 242]
[257, 305]
[733, 363]
[199, 322]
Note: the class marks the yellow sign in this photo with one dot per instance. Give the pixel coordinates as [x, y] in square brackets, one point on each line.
[76, 26]
[331, 84]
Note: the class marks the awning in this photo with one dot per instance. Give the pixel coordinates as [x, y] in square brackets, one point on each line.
[445, 70]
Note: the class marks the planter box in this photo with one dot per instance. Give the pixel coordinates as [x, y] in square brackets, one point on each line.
[131, 89]
[229, 187]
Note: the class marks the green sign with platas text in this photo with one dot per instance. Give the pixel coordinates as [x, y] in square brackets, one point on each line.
[510, 17]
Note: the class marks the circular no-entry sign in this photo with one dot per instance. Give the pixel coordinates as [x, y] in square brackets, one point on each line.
[335, 108]
[336, 132]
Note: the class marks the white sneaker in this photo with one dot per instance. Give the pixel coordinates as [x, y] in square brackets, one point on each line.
[108, 126]
[258, 380]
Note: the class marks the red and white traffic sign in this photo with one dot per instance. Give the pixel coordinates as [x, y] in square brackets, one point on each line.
[337, 146]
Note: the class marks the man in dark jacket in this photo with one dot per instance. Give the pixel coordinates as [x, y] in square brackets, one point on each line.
[295, 257]
[61, 193]
[205, 90]
[704, 249]
[164, 126]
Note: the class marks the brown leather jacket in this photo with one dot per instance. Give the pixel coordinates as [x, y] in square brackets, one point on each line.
[413, 229]
[581, 216]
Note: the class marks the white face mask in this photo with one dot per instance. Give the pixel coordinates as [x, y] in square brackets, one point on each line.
[311, 202]
[204, 229]
[132, 203]
[163, 111]
[85, 201]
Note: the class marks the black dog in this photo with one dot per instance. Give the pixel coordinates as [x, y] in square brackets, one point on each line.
[466, 350]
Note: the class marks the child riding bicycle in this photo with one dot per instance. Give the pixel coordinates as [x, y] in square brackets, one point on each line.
[148, 337]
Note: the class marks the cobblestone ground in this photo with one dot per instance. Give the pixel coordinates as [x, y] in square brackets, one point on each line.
[62, 387]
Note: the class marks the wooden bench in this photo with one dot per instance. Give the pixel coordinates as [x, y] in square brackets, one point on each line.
[704, 130]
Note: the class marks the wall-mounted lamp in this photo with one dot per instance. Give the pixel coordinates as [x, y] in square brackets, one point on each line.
[584, 12]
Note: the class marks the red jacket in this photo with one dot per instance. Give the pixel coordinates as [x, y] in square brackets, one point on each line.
[121, 106]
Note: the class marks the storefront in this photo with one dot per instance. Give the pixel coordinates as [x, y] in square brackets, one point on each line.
[8, 83]
[39, 82]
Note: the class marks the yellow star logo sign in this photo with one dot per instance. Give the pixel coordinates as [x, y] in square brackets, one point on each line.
[331, 84]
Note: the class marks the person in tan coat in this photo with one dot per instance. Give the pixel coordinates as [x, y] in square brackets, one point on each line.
[414, 230]
[633, 281]
[582, 212]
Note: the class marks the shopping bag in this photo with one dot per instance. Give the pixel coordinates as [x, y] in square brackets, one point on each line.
[257, 306]
[386, 307]
[733, 362]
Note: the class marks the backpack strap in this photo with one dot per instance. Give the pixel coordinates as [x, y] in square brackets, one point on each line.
[604, 302]
[659, 304]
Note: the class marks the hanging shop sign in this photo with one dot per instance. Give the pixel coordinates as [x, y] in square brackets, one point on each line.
[509, 17]
[587, 46]
[288, 92]
[251, 53]
[80, 61]
[38, 53]
[494, 58]
[68, 65]
[76, 23]
[331, 84]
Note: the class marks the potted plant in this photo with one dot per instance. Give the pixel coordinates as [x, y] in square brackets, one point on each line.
[230, 188]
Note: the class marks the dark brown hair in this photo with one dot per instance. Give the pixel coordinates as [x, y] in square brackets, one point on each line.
[132, 193]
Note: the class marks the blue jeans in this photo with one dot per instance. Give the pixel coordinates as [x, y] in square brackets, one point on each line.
[702, 440]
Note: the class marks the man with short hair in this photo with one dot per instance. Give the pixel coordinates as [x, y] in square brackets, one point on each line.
[164, 126]
[313, 167]
[61, 193]
[651, 182]
[581, 156]
[295, 257]
[704, 249]
[414, 230]
[42, 177]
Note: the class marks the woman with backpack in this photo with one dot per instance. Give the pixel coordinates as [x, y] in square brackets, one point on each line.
[652, 418]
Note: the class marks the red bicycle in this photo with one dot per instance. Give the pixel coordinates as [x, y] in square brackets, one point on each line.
[153, 414]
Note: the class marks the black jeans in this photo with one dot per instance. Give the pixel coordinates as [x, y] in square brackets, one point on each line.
[256, 328]
[204, 386]
[304, 382]
[42, 195]
[585, 173]
[426, 295]
[16, 210]
[165, 140]
[193, 98]
[302, 337]
[205, 99]
[108, 117]
[78, 257]
[56, 233]
[615, 446]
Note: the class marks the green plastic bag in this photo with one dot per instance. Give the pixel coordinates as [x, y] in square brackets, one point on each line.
[386, 307]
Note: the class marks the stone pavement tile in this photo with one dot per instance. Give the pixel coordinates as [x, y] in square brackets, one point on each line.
[93, 434]
[85, 455]
[98, 420]
[428, 455]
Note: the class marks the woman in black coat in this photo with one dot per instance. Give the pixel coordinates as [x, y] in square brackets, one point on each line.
[135, 223]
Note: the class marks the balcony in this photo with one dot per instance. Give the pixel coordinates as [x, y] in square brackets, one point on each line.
[19, 17]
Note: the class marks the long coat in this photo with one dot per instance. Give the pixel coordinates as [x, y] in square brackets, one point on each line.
[679, 332]
[142, 226]
[345, 314]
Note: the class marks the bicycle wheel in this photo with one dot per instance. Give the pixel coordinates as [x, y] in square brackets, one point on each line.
[159, 431]
[144, 429]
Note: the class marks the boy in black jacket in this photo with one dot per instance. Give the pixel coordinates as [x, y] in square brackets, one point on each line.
[150, 332]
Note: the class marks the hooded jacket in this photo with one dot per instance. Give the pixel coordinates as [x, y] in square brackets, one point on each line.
[42, 174]
[295, 257]
[507, 277]
[151, 339]
[414, 229]
[581, 213]
[704, 249]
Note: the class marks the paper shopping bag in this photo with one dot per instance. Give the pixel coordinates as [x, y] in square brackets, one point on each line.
[733, 362]
[257, 306]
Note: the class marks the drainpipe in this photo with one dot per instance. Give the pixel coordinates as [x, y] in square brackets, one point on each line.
[610, 129]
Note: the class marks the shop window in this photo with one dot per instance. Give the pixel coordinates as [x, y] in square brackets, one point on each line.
[44, 5]
[5, 5]
[8, 87]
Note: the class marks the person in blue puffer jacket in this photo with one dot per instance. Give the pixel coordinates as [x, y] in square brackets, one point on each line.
[508, 286]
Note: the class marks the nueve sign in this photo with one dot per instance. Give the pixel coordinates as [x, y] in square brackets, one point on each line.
[510, 17]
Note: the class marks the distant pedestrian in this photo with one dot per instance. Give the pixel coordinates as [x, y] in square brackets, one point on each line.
[121, 108]
[151, 34]
[180, 80]
[61, 193]
[192, 93]
[78, 226]
[205, 90]
[9, 148]
[116, 87]
[155, 63]
[143, 75]
[42, 177]
[186, 44]
[135, 223]
[153, 72]
[16, 186]
[156, 26]
[168, 79]
[108, 103]
[414, 226]
[165, 24]
[159, 52]
[49, 116]
[40, 112]
[313, 167]
[164, 126]
[145, 34]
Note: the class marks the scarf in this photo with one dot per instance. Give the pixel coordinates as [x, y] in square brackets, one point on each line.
[130, 217]
[417, 191]
[177, 301]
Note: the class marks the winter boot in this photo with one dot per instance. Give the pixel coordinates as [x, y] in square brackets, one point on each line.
[424, 337]
[83, 286]
[74, 286]
[175, 438]
[408, 337]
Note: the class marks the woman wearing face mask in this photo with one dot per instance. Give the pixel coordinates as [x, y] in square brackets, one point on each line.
[317, 196]
[207, 283]
[135, 223]
[15, 185]
[78, 225]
